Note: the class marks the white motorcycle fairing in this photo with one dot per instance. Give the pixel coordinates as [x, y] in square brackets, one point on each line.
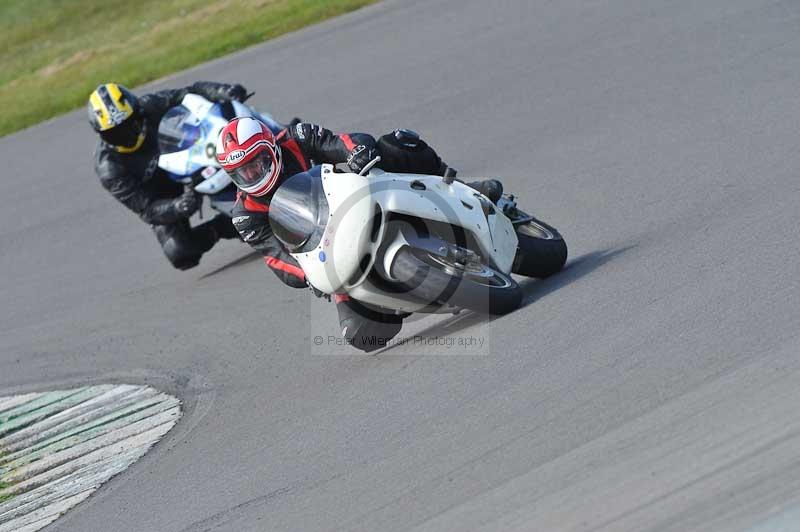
[353, 240]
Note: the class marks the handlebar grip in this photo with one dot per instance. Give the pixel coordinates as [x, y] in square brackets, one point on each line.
[369, 165]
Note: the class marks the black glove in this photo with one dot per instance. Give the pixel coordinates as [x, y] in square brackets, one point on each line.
[235, 92]
[359, 157]
[187, 204]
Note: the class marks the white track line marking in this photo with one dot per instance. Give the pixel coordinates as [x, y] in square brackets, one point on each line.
[57, 448]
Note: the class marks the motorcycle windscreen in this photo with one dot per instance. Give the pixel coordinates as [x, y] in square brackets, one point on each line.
[182, 140]
[298, 211]
[178, 130]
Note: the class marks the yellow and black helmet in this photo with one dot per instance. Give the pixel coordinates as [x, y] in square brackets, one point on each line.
[114, 113]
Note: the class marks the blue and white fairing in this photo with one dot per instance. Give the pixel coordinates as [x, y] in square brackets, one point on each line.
[187, 136]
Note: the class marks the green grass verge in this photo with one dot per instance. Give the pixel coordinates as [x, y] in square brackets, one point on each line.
[55, 52]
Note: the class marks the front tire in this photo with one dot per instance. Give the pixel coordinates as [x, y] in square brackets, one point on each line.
[541, 250]
[433, 279]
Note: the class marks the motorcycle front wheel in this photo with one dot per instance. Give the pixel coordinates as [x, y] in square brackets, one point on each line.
[436, 279]
[541, 250]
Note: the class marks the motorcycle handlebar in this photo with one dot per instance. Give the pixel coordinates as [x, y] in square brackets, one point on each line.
[369, 165]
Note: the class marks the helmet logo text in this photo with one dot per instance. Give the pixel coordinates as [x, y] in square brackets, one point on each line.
[115, 116]
[234, 157]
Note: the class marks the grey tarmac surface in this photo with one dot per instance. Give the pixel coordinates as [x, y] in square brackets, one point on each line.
[651, 386]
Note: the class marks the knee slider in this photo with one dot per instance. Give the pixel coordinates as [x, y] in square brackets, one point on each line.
[178, 255]
[406, 138]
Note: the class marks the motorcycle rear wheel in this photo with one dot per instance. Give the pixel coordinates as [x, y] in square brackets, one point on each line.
[435, 279]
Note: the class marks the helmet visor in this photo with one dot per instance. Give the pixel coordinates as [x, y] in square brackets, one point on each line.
[125, 134]
[254, 171]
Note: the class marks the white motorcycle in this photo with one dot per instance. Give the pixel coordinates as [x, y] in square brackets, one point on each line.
[404, 243]
[187, 136]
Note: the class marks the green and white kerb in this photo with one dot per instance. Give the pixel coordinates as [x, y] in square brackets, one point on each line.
[57, 448]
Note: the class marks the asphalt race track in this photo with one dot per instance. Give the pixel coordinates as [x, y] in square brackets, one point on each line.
[651, 386]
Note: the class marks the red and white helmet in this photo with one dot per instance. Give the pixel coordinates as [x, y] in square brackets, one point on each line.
[247, 150]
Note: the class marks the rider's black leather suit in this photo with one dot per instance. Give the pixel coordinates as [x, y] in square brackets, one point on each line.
[138, 183]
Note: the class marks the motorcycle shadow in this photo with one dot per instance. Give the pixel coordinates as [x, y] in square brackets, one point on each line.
[250, 257]
[534, 289]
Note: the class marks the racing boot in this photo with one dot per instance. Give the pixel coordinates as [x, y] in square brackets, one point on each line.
[491, 188]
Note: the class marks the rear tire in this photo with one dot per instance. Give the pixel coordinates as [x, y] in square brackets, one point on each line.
[541, 250]
[426, 277]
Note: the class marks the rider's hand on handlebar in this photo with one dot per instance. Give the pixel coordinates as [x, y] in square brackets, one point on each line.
[187, 203]
[236, 92]
[360, 157]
